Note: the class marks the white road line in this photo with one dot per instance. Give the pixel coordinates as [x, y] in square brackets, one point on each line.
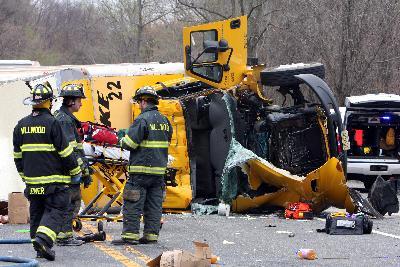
[385, 234]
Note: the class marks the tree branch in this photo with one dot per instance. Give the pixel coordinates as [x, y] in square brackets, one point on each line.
[192, 6]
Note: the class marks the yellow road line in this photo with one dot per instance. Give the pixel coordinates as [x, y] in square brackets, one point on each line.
[118, 256]
[138, 254]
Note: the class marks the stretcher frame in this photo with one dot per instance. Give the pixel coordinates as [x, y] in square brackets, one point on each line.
[108, 172]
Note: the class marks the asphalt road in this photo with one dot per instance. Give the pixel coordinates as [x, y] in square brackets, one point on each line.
[238, 240]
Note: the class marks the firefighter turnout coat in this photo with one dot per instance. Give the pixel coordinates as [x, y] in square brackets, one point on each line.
[70, 124]
[42, 154]
[148, 140]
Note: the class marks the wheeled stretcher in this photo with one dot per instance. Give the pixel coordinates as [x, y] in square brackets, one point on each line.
[109, 163]
[109, 166]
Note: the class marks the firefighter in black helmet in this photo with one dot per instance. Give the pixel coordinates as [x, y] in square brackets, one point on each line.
[46, 163]
[148, 140]
[72, 95]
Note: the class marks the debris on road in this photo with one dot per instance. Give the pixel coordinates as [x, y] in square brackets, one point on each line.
[200, 209]
[283, 232]
[224, 209]
[383, 197]
[178, 258]
[18, 208]
[248, 217]
[22, 231]
[307, 253]
[341, 223]
[299, 210]
[226, 242]
[3, 219]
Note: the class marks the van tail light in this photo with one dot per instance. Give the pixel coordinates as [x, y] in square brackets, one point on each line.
[358, 137]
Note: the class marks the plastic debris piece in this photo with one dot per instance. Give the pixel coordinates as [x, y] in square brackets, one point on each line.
[214, 259]
[283, 232]
[224, 209]
[226, 242]
[307, 253]
[23, 231]
[3, 219]
[291, 235]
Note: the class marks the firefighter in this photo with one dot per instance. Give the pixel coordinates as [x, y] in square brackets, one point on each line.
[148, 140]
[46, 164]
[72, 95]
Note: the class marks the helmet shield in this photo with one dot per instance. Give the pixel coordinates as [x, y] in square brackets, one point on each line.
[39, 94]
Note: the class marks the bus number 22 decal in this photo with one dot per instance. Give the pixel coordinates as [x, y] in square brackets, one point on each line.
[104, 101]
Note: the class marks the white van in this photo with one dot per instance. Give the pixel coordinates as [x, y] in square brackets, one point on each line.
[373, 125]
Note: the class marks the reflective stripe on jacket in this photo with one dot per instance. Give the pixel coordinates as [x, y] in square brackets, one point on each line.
[148, 140]
[42, 154]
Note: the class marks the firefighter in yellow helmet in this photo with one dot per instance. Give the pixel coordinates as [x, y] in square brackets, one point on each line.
[147, 140]
[46, 163]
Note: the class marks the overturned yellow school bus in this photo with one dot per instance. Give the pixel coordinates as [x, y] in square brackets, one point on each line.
[231, 142]
[108, 89]
[234, 144]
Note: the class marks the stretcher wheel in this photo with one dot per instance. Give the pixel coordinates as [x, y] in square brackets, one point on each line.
[100, 226]
[77, 225]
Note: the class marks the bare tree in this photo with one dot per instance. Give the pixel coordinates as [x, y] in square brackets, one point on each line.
[358, 41]
[128, 20]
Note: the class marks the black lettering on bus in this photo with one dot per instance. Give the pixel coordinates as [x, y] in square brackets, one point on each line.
[111, 95]
[105, 117]
[117, 85]
[103, 101]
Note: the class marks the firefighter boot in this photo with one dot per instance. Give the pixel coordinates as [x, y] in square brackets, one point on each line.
[148, 239]
[43, 249]
[127, 239]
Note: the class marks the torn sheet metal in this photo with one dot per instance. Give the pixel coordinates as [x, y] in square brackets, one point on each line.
[323, 187]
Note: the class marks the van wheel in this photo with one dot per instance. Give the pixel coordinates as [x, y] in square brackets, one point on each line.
[284, 75]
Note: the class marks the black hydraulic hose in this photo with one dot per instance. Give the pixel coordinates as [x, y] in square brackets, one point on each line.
[15, 241]
[21, 261]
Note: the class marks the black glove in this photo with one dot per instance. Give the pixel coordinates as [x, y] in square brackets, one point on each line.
[87, 180]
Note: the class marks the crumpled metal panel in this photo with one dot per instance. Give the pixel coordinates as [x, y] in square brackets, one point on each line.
[323, 187]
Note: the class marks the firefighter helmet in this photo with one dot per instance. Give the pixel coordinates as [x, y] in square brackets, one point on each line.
[72, 90]
[146, 92]
[39, 94]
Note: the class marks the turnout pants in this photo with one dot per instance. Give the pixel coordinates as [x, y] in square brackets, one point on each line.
[47, 207]
[71, 211]
[143, 195]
